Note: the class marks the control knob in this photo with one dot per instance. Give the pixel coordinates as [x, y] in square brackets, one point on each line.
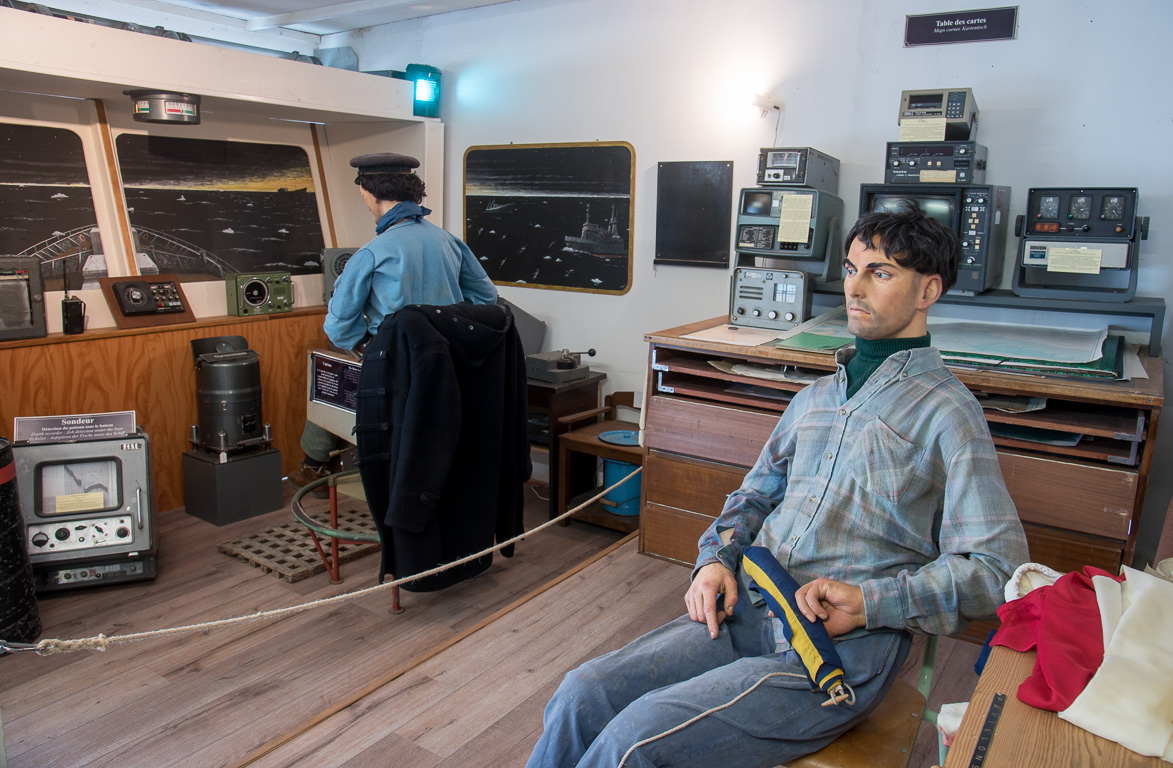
[789, 316]
[61, 534]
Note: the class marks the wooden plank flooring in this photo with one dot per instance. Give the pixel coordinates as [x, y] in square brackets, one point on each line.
[210, 697]
[352, 685]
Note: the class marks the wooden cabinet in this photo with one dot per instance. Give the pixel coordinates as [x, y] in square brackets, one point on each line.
[547, 403]
[1079, 504]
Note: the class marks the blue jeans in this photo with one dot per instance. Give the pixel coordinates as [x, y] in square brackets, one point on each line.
[318, 442]
[676, 672]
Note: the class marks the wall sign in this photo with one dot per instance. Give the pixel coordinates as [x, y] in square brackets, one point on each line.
[961, 26]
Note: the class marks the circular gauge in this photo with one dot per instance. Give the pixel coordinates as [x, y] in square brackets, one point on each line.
[1112, 208]
[1080, 208]
[255, 292]
[1049, 207]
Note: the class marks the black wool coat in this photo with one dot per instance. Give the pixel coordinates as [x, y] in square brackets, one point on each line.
[441, 431]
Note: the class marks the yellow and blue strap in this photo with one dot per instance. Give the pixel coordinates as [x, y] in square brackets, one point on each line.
[821, 661]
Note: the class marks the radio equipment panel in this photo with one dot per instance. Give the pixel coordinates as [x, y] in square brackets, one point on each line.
[788, 223]
[259, 293]
[148, 297]
[769, 298]
[333, 262]
[979, 215]
[1079, 243]
[956, 106]
[88, 509]
[799, 167]
[935, 162]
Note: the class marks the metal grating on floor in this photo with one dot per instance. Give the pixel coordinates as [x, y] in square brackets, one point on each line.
[288, 551]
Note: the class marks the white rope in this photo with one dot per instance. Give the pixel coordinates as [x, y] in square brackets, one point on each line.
[706, 713]
[101, 642]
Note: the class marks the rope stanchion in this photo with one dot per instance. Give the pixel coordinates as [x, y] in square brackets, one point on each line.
[102, 642]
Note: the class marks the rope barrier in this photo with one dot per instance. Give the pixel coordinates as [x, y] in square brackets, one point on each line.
[101, 642]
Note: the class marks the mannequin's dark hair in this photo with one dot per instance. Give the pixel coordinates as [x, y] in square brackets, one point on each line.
[401, 187]
[911, 238]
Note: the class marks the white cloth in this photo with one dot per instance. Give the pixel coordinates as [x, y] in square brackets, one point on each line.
[1130, 698]
[1027, 577]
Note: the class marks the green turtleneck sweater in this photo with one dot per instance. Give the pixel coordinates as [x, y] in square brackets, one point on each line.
[870, 354]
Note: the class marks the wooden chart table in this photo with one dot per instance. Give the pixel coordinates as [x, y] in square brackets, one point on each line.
[1027, 737]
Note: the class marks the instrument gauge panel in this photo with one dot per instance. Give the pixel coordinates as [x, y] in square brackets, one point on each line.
[1080, 207]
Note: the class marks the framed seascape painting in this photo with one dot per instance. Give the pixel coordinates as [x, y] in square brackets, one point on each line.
[555, 216]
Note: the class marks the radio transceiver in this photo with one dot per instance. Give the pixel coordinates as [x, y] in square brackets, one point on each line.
[799, 167]
[769, 298]
[258, 293]
[935, 162]
[955, 106]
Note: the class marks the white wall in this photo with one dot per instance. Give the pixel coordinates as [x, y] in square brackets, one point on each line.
[1079, 98]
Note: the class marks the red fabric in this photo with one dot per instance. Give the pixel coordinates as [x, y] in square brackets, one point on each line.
[1062, 622]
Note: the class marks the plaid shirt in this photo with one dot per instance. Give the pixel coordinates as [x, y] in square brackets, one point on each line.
[897, 490]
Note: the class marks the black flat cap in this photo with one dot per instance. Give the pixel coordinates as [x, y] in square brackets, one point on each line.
[384, 162]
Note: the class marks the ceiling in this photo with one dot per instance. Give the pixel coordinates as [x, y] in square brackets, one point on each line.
[275, 24]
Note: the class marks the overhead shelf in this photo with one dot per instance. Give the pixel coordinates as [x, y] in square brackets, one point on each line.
[44, 54]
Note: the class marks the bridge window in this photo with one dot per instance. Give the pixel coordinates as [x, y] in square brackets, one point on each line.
[210, 207]
[47, 204]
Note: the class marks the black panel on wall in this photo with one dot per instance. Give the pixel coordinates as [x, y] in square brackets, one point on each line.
[694, 205]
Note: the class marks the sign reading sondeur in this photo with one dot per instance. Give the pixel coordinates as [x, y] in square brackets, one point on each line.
[961, 26]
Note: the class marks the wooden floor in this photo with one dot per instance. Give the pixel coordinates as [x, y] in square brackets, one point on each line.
[351, 685]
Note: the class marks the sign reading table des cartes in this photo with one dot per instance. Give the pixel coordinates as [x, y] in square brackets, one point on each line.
[961, 26]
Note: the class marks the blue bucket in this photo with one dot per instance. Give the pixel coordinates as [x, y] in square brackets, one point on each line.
[624, 500]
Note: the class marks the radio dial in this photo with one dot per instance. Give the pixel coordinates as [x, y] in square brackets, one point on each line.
[122, 533]
[757, 313]
[911, 163]
[788, 316]
[61, 534]
[895, 163]
[772, 315]
[962, 150]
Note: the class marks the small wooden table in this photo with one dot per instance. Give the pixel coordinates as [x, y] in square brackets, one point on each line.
[1027, 737]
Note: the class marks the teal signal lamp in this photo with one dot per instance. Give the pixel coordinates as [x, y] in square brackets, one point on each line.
[425, 82]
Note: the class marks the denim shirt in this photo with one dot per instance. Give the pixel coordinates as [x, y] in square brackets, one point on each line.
[412, 262]
[896, 490]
